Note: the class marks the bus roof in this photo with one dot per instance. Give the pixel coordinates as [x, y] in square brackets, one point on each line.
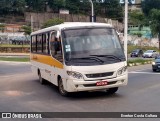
[71, 25]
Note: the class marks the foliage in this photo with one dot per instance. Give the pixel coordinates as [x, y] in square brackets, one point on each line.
[113, 9]
[155, 21]
[12, 6]
[36, 5]
[136, 17]
[27, 30]
[56, 5]
[138, 34]
[2, 26]
[105, 8]
[25, 59]
[10, 45]
[52, 22]
[140, 61]
[148, 5]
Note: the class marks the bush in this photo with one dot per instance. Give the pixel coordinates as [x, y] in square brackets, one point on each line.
[52, 22]
[141, 61]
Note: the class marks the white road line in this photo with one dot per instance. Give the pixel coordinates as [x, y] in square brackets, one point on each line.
[135, 72]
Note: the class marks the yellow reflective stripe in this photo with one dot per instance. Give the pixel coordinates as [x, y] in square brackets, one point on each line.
[46, 59]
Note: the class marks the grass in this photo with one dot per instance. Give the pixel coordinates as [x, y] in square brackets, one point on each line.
[10, 45]
[141, 61]
[16, 59]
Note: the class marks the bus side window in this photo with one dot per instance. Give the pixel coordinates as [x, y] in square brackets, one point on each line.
[45, 44]
[39, 43]
[55, 47]
[33, 44]
[48, 36]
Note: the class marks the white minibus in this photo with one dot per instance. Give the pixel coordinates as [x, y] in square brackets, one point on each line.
[79, 56]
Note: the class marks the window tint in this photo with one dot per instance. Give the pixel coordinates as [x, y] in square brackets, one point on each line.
[45, 43]
[39, 43]
[52, 43]
[33, 44]
[56, 49]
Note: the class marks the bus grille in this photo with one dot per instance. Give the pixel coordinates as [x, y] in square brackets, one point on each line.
[96, 75]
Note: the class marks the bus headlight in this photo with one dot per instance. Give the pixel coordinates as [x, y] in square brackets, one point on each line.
[122, 70]
[153, 63]
[75, 75]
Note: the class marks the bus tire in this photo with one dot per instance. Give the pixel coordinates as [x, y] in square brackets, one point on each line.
[112, 90]
[41, 80]
[61, 88]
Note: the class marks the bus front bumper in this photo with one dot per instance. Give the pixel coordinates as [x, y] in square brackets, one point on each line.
[86, 85]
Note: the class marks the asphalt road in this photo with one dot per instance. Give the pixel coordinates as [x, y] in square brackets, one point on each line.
[20, 91]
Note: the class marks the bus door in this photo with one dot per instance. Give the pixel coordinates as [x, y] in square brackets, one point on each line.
[56, 53]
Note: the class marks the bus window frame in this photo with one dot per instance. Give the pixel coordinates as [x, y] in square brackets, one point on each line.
[42, 49]
[59, 38]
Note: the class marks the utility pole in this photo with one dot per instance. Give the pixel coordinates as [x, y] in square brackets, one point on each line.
[92, 11]
[126, 28]
[31, 23]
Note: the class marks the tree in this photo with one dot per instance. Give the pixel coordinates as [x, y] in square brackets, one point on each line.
[113, 9]
[12, 6]
[137, 18]
[148, 5]
[36, 5]
[52, 22]
[155, 22]
[19, 6]
[27, 30]
[56, 4]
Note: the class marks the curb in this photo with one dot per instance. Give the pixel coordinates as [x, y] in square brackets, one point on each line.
[14, 54]
[14, 62]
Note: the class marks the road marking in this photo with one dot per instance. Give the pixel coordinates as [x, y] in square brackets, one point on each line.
[135, 72]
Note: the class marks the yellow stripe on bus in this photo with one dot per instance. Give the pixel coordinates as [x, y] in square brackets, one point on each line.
[46, 59]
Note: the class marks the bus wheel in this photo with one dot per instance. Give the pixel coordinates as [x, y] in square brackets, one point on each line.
[41, 80]
[61, 88]
[112, 90]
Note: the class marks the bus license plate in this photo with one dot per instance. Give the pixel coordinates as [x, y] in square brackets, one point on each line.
[101, 83]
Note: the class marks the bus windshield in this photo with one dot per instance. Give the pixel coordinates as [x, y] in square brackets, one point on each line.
[92, 45]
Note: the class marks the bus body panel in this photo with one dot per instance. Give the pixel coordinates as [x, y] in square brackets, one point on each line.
[78, 85]
[51, 68]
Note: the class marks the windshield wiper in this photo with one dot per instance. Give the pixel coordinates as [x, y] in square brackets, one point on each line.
[89, 58]
[109, 56]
